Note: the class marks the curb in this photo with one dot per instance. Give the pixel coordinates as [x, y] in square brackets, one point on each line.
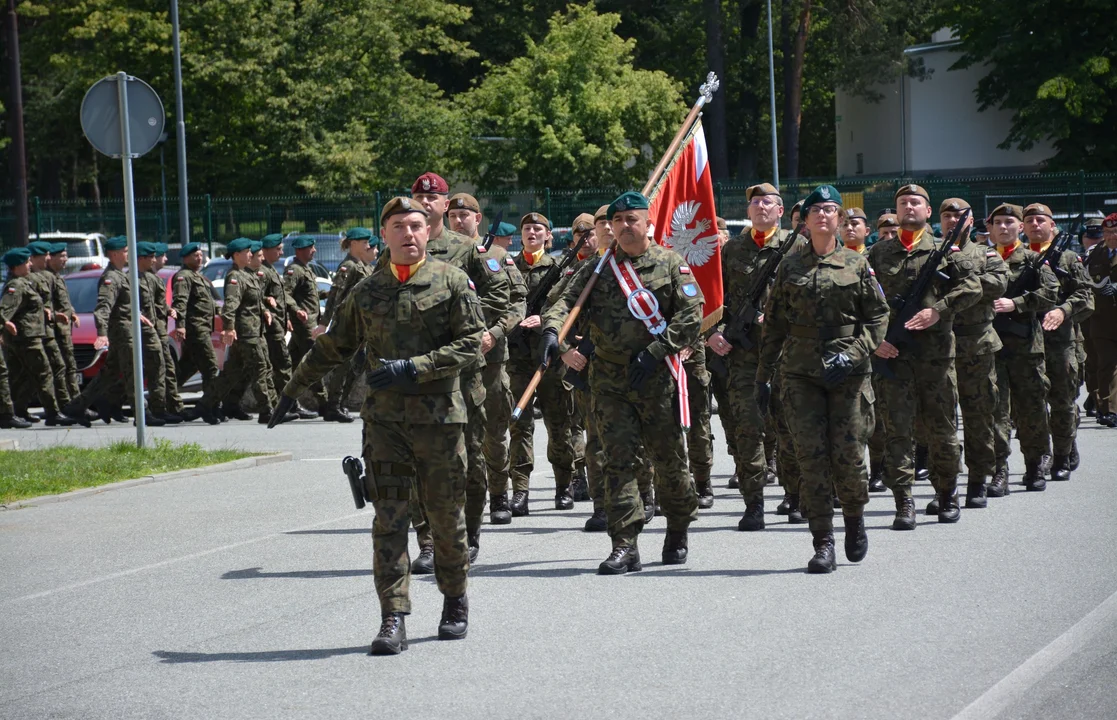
[6, 444]
[242, 464]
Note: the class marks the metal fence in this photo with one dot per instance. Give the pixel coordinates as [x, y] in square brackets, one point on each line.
[219, 219]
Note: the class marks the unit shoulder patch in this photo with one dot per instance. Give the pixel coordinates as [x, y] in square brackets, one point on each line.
[690, 290]
[493, 264]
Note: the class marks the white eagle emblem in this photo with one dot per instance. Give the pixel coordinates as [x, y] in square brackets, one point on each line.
[688, 241]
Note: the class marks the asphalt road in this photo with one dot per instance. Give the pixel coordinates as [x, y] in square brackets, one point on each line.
[249, 595]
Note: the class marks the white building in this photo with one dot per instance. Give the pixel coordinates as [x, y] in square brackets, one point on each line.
[929, 126]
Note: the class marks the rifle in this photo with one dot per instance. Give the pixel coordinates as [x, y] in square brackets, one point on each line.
[907, 306]
[1028, 281]
[491, 234]
[538, 297]
[744, 318]
[353, 469]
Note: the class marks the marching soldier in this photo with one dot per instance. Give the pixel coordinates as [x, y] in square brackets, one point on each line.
[1022, 382]
[65, 318]
[465, 216]
[645, 309]
[284, 314]
[302, 286]
[1060, 338]
[423, 321]
[8, 418]
[151, 344]
[975, 361]
[888, 227]
[45, 283]
[175, 406]
[923, 383]
[1102, 269]
[719, 388]
[194, 308]
[823, 319]
[1091, 238]
[23, 318]
[855, 231]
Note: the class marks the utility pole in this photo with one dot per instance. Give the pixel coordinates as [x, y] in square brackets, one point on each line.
[180, 132]
[18, 155]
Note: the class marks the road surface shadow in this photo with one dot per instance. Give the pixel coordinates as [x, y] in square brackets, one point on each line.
[258, 573]
[176, 658]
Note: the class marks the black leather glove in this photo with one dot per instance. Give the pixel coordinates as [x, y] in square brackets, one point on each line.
[284, 406]
[836, 368]
[393, 372]
[640, 369]
[763, 397]
[548, 346]
[1108, 290]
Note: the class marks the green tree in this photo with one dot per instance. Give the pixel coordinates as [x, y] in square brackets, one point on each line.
[572, 110]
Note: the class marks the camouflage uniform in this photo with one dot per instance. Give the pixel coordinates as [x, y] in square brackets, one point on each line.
[413, 436]
[1101, 266]
[113, 318]
[700, 436]
[275, 333]
[21, 303]
[498, 390]
[155, 370]
[625, 417]
[925, 383]
[302, 286]
[350, 272]
[63, 334]
[248, 357]
[193, 303]
[6, 407]
[170, 364]
[821, 306]
[45, 283]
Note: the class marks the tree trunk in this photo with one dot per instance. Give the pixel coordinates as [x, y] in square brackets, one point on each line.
[795, 50]
[714, 120]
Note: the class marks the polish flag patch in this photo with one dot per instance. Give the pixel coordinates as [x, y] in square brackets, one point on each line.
[684, 269]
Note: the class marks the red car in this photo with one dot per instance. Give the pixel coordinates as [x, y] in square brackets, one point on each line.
[82, 286]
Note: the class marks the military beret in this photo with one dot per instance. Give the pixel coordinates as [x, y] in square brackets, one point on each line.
[16, 257]
[256, 246]
[57, 248]
[189, 249]
[238, 245]
[763, 189]
[401, 206]
[430, 183]
[913, 189]
[856, 213]
[1094, 231]
[979, 227]
[797, 207]
[161, 248]
[627, 201]
[721, 224]
[505, 230]
[536, 219]
[375, 241]
[464, 201]
[953, 204]
[1110, 221]
[270, 241]
[38, 248]
[302, 241]
[1094, 222]
[602, 213]
[887, 220]
[145, 249]
[1037, 209]
[118, 242]
[358, 233]
[1007, 209]
[582, 223]
[821, 194]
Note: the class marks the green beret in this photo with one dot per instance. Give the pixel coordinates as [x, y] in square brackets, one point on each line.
[238, 245]
[57, 248]
[821, 194]
[118, 242]
[256, 246]
[302, 241]
[505, 230]
[144, 249]
[401, 206]
[16, 257]
[271, 241]
[189, 249]
[375, 241]
[38, 248]
[630, 200]
[358, 233]
[161, 248]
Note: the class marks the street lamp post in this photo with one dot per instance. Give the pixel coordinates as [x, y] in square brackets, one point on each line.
[772, 98]
[180, 131]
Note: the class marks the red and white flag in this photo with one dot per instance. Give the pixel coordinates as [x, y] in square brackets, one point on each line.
[682, 210]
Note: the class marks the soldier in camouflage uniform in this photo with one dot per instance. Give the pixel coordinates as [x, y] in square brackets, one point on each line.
[720, 390]
[65, 318]
[1021, 375]
[194, 308]
[420, 317]
[301, 285]
[45, 283]
[175, 406]
[824, 318]
[1102, 269]
[354, 268]
[8, 418]
[887, 228]
[1091, 239]
[742, 258]
[151, 345]
[633, 387]
[1060, 336]
[924, 383]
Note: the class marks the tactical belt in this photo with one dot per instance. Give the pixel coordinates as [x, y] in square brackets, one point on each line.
[445, 385]
[827, 332]
[967, 330]
[612, 357]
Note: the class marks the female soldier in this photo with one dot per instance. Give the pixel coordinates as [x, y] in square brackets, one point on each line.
[826, 314]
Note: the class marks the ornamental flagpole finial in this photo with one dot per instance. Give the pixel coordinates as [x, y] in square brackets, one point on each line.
[708, 88]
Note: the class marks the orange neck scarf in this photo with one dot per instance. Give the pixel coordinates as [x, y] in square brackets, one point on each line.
[533, 257]
[1038, 247]
[761, 238]
[1005, 251]
[403, 272]
[910, 239]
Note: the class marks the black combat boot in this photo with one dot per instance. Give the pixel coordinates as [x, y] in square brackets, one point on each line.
[26, 416]
[876, 478]
[1107, 419]
[455, 618]
[1060, 468]
[1089, 406]
[785, 505]
[11, 422]
[675, 547]
[337, 414]
[233, 412]
[392, 638]
[473, 539]
[823, 560]
[975, 492]
[499, 512]
[1073, 459]
[933, 506]
[771, 477]
[921, 471]
[623, 559]
[856, 540]
[171, 418]
[649, 505]
[519, 504]
[563, 499]
[999, 485]
[733, 483]
[705, 492]
[305, 414]
[794, 510]
[424, 564]
[948, 506]
[753, 519]
[1033, 476]
[905, 513]
[597, 522]
[55, 419]
[580, 487]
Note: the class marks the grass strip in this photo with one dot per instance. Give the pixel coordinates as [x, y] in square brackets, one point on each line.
[50, 471]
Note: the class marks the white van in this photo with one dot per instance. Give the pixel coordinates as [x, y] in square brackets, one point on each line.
[86, 251]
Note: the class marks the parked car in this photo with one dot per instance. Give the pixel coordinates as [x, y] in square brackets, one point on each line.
[82, 286]
[86, 251]
[216, 270]
[329, 252]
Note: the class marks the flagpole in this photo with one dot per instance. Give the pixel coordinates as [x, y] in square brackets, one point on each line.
[705, 94]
